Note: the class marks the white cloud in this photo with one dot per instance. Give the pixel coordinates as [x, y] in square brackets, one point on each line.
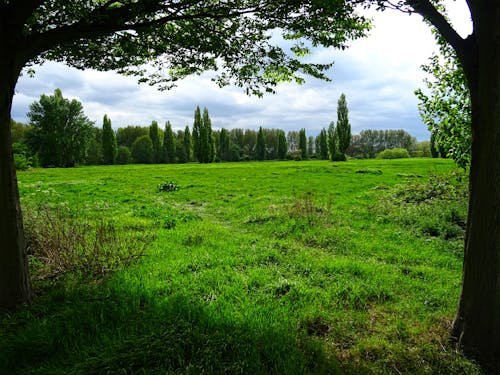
[378, 75]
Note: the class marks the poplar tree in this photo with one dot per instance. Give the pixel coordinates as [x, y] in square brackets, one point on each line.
[169, 147]
[109, 147]
[261, 146]
[187, 143]
[323, 144]
[332, 142]
[197, 129]
[303, 143]
[282, 145]
[224, 145]
[343, 128]
[154, 135]
[207, 139]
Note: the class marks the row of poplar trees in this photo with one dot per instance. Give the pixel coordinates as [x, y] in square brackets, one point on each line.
[149, 149]
[202, 146]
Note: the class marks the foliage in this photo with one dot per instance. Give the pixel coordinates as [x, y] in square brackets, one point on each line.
[303, 143]
[168, 186]
[343, 128]
[23, 159]
[60, 242]
[169, 144]
[123, 156]
[393, 153]
[61, 132]
[197, 142]
[18, 131]
[323, 144]
[332, 140]
[282, 145]
[143, 151]
[422, 149]
[207, 138]
[109, 147]
[126, 136]
[224, 146]
[203, 141]
[95, 151]
[187, 142]
[370, 142]
[445, 107]
[154, 135]
[261, 145]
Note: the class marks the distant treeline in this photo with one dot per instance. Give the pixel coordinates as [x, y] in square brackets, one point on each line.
[60, 135]
[151, 144]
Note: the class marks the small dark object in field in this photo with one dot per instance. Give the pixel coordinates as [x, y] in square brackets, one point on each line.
[369, 171]
[168, 186]
[317, 327]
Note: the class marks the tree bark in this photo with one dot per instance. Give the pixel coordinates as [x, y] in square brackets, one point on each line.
[15, 286]
[477, 324]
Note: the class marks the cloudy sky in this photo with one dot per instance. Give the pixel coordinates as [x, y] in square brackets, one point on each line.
[378, 75]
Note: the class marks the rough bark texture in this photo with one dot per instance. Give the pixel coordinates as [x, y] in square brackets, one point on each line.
[477, 324]
[15, 287]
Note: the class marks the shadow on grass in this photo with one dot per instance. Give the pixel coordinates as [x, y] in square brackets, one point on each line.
[97, 330]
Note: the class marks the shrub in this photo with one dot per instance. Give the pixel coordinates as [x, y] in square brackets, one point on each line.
[58, 242]
[394, 153]
[124, 156]
[21, 163]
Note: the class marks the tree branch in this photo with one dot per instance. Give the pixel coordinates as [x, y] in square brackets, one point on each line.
[431, 14]
[110, 21]
[465, 48]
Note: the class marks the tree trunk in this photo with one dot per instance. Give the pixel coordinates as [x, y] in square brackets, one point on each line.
[15, 287]
[477, 324]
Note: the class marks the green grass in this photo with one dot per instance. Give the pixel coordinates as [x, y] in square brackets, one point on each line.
[273, 267]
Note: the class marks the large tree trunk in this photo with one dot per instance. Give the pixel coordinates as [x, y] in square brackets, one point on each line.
[15, 287]
[477, 324]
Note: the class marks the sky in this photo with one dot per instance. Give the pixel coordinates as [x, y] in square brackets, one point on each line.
[377, 74]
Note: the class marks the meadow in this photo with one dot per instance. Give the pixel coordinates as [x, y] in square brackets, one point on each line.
[307, 267]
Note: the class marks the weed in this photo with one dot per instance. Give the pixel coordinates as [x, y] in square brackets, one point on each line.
[59, 242]
[168, 186]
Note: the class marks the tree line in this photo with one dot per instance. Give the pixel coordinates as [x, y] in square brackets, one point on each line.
[60, 135]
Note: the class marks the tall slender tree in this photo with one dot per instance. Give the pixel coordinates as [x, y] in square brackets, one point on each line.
[310, 146]
[154, 135]
[282, 146]
[109, 147]
[207, 139]
[224, 146]
[261, 145]
[169, 144]
[197, 135]
[332, 140]
[323, 144]
[303, 143]
[187, 143]
[343, 128]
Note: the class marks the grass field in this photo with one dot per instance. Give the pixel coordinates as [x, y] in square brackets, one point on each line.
[253, 268]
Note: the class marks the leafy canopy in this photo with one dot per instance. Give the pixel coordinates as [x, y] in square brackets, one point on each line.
[445, 105]
[179, 38]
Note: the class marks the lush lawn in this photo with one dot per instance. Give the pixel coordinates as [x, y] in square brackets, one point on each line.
[273, 267]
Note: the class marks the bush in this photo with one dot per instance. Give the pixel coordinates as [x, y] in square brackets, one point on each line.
[124, 156]
[59, 242]
[394, 153]
[21, 163]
